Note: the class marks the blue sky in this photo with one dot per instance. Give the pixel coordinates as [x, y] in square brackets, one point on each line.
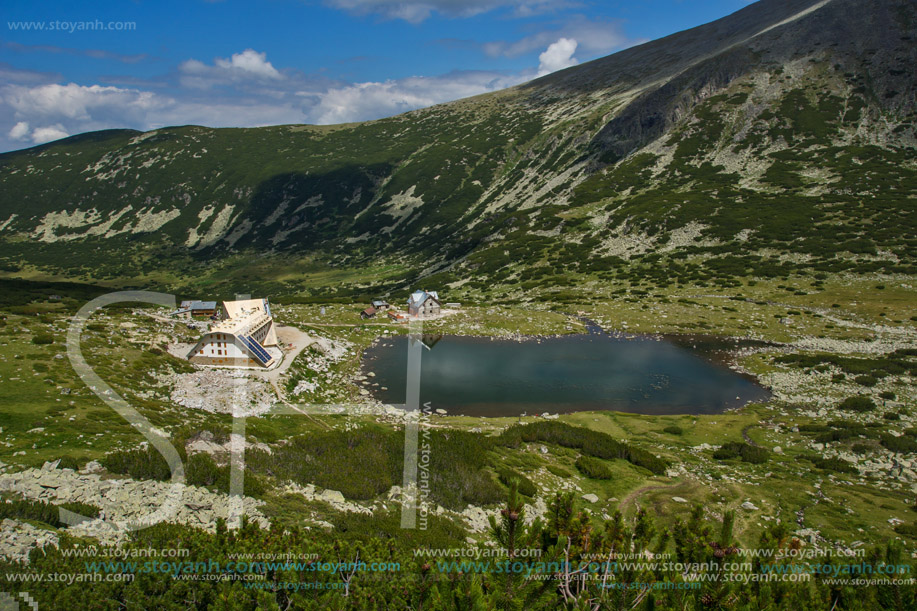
[67, 68]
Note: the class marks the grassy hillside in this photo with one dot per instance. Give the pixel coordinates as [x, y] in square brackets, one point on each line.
[774, 141]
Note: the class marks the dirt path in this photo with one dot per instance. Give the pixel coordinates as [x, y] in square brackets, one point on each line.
[287, 336]
[295, 342]
[748, 439]
[293, 407]
[349, 324]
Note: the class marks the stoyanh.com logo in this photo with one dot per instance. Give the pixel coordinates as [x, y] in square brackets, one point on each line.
[70, 27]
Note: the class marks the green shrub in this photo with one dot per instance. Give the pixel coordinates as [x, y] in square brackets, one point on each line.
[366, 462]
[591, 443]
[68, 462]
[360, 464]
[833, 464]
[41, 511]
[673, 430]
[143, 463]
[593, 468]
[904, 444]
[737, 449]
[908, 530]
[201, 470]
[813, 428]
[42, 338]
[525, 487]
[895, 363]
[858, 403]
[866, 380]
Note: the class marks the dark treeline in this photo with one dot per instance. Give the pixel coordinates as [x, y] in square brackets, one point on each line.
[573, 567]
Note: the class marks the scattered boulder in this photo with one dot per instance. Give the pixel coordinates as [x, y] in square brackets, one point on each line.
[476, 519]
[332, 496]
[93, 466]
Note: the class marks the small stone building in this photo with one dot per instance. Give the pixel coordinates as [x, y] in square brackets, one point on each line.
[424, 303]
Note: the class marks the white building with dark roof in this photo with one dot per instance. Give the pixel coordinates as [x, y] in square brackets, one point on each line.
[241, 338]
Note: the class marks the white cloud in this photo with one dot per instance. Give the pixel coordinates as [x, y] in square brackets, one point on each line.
[250, 60]
[61, 110]
[365, 101]
[593, 37]
[247, 66]
[48, 133]
[74, 101]
[57, 111]
[557, 56]
[416, 11]
[253, 93]
[20, 131]
[48, 112]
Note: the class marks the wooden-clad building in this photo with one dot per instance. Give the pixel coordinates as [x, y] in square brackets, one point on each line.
[240, 338]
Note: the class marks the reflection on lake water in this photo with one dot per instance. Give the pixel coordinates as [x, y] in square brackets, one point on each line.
[478, 376]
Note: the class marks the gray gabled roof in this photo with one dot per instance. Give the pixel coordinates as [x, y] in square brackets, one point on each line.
[418, 297]
[199, 305]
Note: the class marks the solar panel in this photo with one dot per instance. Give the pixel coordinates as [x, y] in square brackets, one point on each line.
[259, 352]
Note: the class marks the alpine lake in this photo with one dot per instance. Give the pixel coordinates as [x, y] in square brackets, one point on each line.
[496, 377]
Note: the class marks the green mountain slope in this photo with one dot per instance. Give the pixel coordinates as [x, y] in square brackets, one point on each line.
[777, 140]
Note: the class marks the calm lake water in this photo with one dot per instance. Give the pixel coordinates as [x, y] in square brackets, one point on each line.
[477, 376]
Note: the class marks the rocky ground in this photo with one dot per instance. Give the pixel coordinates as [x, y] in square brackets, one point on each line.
[222, 391]
[17, 539]
[319, 362]
[123, 502]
